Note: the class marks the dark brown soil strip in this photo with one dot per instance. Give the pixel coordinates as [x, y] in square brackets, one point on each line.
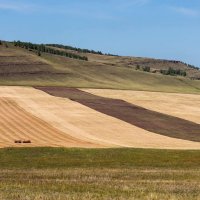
[138, 116]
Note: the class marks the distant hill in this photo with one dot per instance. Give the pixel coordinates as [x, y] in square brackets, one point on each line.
[155, 65]
[58, 65]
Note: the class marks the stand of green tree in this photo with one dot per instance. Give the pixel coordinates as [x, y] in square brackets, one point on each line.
[42, 48]
[170, 71]
[173, 72]
[192, 66]
[143, 68]
[188, 65]
[78, 49]
[75, 49]
[146, 69]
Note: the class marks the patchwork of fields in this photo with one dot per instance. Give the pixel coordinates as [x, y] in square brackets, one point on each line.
[79, 137]
[62, 117]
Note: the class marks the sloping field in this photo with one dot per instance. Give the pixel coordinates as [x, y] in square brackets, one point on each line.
[17, 61]
[138, 116]
[18, 125]
[93, 74]
[132, 62]
[24, 68]
[185, 106]
[69, 123]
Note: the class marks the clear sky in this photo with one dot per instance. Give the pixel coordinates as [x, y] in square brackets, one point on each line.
[167, 29]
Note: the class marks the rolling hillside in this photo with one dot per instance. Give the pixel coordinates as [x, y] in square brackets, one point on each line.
[69, 117]
[73, 128]
[20, 66]
[135, 62]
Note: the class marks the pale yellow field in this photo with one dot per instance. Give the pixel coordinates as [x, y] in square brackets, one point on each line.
[17, 124]
[185, 106]
[27, 113]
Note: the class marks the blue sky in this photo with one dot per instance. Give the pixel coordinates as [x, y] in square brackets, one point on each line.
[167, 29]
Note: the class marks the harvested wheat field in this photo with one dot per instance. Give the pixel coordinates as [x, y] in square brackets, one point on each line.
[185, 106]
[20, 128]
[46, 120]
[135, 115]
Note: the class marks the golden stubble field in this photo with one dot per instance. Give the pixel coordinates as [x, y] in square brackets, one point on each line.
[28, 113]
[185, 106]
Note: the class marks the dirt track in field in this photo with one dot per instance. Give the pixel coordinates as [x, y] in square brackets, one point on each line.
[138, 116]
[85, 126]
[17, 124]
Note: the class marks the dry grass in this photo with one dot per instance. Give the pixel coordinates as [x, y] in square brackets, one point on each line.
[132, 62]
[46, 174]
[99, 184]
[14, 60]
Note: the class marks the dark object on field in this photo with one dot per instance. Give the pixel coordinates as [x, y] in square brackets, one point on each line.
[27, 141]
[22, 141]
[18, 141]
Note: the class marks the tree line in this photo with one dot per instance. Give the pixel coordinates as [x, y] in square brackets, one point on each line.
[192, 66]
[78, 49]
[43, 48]
[169, 71]
[75, 49]
[3, 43]
[173, 72]
[188, 65]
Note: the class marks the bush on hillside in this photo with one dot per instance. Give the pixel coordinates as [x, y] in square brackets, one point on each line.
[146, 69]
[137, 67]
[39, 53]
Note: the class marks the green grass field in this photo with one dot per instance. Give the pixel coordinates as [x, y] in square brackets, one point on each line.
[58, 173]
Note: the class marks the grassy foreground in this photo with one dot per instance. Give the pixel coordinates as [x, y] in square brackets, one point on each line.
[58, 173]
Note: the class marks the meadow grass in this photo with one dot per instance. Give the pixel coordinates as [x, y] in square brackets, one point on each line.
[59, 173]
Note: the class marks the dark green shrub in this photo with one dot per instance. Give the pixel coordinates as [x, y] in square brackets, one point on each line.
[146, 69]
